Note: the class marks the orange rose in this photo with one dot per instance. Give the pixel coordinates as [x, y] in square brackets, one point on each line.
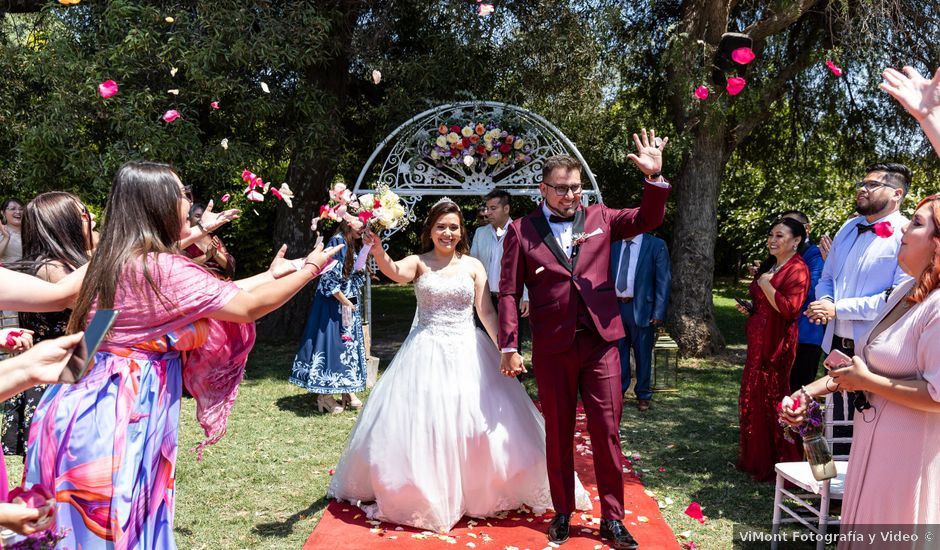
[480, 130]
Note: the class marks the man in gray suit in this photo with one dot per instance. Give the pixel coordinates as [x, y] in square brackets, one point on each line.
[642, 277]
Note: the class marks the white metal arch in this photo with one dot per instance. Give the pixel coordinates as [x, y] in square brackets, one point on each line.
[402, 163]
[407, 169]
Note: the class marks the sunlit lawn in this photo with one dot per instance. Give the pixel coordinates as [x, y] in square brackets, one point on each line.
[263, 485]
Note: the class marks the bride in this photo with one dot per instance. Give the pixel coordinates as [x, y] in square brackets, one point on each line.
[444, 434]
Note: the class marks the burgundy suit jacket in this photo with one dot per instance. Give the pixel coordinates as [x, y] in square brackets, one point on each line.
[533, 258]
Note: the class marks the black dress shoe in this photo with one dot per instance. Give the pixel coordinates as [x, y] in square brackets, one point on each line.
[558, 530]
[617, 535]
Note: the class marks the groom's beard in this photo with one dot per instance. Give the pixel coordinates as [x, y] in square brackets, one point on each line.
[870, 207]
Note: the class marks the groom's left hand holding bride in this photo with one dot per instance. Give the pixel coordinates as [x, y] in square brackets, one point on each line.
[511, 365]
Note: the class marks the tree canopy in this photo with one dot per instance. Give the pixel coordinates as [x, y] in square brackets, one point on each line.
[797, 136]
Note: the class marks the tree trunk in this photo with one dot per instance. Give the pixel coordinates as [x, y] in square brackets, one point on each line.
[309, 179]
[692, 315]
[310, 174]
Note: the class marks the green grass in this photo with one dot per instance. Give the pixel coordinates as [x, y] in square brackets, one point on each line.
[263, 485]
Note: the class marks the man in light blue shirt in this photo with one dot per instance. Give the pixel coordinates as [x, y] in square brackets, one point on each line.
[862, 266]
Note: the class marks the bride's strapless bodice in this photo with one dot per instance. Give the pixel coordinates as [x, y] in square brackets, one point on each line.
[445, 301]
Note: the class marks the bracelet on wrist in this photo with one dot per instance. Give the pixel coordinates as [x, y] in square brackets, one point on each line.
[202, 228]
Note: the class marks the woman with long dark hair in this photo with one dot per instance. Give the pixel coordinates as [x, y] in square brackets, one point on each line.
[778, 292]
[106, 446]
[444, 433]
[56, 241]
[332, 355]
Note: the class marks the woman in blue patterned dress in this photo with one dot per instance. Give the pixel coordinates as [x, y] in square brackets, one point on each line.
[332, 355]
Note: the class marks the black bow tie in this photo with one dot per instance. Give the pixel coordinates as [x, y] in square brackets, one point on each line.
[558, 219]
[863, 228]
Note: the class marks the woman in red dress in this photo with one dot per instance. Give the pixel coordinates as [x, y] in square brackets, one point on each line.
[778, 292]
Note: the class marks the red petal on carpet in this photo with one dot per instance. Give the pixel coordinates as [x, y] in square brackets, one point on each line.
[346, 527]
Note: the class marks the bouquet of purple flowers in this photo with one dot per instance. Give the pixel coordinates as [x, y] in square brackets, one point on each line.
[811, 426]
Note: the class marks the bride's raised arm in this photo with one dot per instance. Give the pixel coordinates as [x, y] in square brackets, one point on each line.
[402, 271]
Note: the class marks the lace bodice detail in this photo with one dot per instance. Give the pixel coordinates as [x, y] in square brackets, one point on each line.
[445, 302]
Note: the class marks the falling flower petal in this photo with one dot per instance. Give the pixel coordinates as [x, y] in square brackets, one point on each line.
[742, 56]
[376, 76]
[735, 85]
[285, 194]
[226, 197]
[694, 511]
[661, 470]
[171, 115]
[332, 471]
[169, 19]
[253, 195]
[107, 88]
[173, 91]
[224, 143]
[701, 92]
[833, 67]
[69, 2]
[173, 71]
[264, 88]
[214, 105]
[485, 9]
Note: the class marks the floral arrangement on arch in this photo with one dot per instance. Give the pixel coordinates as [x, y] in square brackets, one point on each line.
[478, 145]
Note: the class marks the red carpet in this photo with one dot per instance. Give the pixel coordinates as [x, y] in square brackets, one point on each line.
[345, 526]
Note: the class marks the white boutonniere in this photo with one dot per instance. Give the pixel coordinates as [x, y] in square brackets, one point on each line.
[579, 238]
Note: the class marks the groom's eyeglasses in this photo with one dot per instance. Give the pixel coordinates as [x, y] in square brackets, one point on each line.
[562, 190]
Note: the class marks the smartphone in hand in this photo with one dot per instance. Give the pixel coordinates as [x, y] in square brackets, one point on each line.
[746, 304]
[84, 354]
[836, 360]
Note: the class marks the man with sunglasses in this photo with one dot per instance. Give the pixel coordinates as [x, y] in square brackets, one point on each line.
[862, 265]
[561, 253]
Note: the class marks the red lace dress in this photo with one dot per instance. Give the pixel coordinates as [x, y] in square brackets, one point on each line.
[771, 348]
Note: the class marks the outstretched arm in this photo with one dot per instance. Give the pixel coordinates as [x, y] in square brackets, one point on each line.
[919, 97]
[21, 292]
[402, 271]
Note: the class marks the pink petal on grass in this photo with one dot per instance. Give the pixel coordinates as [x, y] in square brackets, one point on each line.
[694, 511]
[107, 88]
[332, 471]
[214, 105]
[743, 56]
[735, 85]
[833, 67]
[485, 9]
[226, 197]
[171, 115]
[701, 92]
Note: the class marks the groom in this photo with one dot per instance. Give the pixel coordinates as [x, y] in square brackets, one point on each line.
[561, 253]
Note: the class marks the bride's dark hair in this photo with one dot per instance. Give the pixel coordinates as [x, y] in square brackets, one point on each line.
[440, 209]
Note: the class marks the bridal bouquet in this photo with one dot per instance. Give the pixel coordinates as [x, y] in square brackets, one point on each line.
[381, 210]
[476, 144]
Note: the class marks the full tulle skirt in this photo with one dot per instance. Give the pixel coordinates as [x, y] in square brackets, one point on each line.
[444, 434]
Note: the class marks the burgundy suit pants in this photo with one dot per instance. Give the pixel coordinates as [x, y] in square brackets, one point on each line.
[592, 366]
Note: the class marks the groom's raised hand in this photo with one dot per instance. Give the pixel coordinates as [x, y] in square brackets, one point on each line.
[649, 153]
[510, 364]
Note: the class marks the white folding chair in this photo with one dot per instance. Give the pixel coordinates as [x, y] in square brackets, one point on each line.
[812, 505]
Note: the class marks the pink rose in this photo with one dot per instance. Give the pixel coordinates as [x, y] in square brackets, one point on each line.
[701, 92]
[883, 229]
[171, 115]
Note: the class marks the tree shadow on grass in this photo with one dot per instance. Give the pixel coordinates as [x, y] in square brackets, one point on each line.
[281, 529]
[303, 404]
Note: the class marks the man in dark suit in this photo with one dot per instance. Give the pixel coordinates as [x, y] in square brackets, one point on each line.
[561, 253]
[642, 277]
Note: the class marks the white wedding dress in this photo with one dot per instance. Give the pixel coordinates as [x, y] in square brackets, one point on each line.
[444, 434]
